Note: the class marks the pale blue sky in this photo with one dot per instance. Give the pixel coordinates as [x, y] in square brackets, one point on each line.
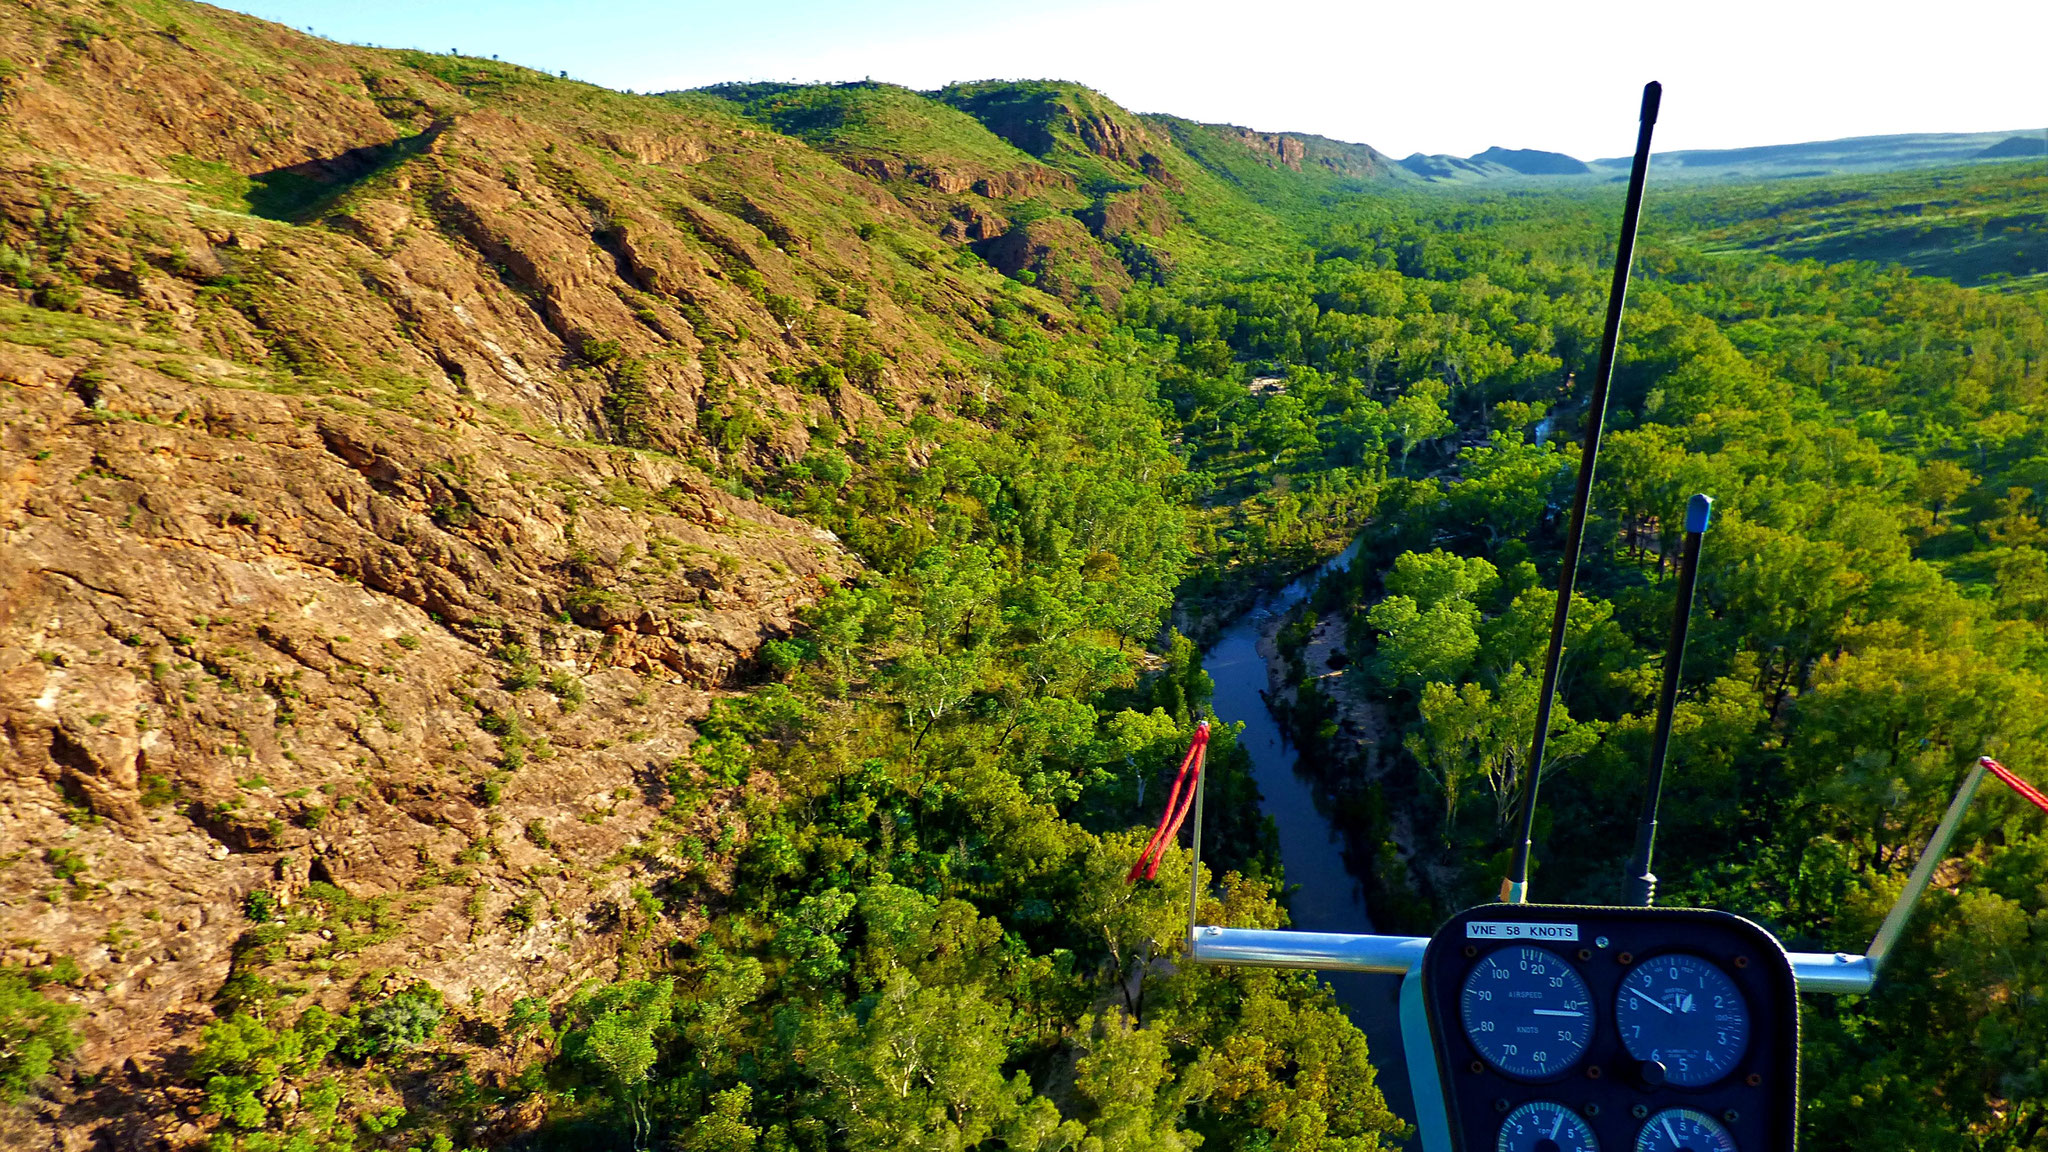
[1432, 77]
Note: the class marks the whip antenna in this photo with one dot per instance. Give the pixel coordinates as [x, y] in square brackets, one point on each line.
[1642, 883]
[1515, 889]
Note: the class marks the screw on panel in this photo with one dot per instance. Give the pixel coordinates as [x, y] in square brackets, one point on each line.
[1638, 1111]
[1742, 961]
[1625, 958]
[1476, 1067]
[1592, 1109]
[1593, 1072]
[1754, 1079]
[1471, 950]
[1731, 1115]
[1585, 953]
[1500, 1104]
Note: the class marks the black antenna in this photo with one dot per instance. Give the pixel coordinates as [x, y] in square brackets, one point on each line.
[1515, 889]
[1642, 883]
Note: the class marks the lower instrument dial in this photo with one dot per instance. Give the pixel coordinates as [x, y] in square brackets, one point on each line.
[1684, 1130]
[1541, 1126]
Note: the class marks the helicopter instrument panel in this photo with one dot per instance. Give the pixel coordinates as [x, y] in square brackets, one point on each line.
[1580, 1029]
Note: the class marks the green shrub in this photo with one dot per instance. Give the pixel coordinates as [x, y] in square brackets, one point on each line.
[157, 790]
[567, 688]
[537, 833]
[242, 1060]
[62, 970]
[260, 906]
[530, 1017]
[34, 1034]
[399, 1023]
[65, 863]
[784, 656]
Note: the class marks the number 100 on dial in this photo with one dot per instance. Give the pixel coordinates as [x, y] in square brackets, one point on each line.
[1527, 1012]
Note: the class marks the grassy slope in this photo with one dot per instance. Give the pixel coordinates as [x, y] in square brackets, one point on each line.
[1206, 199]
[1981, 226]
[874, 119]
[690, 170]
[1104, 146]
[1330, 170]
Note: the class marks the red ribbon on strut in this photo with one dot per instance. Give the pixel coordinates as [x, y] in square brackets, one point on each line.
[2032, 794]
[1178, 803]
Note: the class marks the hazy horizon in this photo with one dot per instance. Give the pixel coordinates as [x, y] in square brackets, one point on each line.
[1556, 80]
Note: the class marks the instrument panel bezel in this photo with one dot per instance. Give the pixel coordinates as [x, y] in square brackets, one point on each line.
[1761, 1091]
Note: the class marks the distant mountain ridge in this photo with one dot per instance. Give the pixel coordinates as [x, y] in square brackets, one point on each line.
[2015, 146]
[1532, 162]
[1008, 142]
[1891, 153]
[1770, 161]
[1494, 163]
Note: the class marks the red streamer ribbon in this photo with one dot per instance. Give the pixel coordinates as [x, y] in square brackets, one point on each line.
[2028, 791]
[1178, 803]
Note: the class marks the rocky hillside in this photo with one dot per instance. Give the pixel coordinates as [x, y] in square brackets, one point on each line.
[372, 477]
[1058, 186]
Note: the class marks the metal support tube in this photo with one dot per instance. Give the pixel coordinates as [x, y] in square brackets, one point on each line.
[1894, 925]
[1835, 972]
[1394, 955]
[1329, 951]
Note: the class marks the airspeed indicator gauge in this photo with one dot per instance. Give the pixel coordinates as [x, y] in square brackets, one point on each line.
[1527, 1012]
[1683, 1015]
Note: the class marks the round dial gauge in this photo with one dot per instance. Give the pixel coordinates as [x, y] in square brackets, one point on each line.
[1527, 1012]
[1683, 1130]
[1684, 1013]
[1541, 1126]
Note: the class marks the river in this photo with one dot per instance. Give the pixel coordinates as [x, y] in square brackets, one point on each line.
[1327, 897]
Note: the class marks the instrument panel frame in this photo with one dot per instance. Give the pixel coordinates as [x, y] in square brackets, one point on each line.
[1761, 1091]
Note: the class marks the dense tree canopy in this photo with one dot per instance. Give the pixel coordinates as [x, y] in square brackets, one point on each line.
[1869, 618]
[923, 937]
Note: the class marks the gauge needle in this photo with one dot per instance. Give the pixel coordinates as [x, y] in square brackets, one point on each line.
[1557, 1127]
[1658, 1004]
[1556, 1012]
[1670, 1133]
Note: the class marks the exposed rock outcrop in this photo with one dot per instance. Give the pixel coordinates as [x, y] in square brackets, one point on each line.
[361, 546]
[1286, 151]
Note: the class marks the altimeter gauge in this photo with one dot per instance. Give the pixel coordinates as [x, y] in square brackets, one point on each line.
[1683, 1018]
[1527, 1012]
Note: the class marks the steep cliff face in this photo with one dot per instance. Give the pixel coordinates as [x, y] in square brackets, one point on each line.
[361, 546]
[1280, 148]
[233, 663]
